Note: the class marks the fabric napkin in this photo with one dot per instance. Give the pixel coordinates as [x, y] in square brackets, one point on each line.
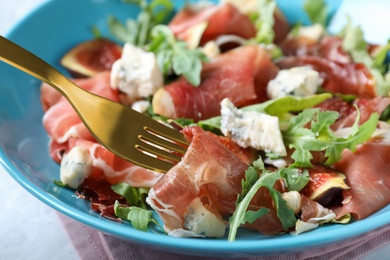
[92, 244]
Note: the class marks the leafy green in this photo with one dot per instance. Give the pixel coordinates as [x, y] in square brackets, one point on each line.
[287, 104]
[134, 196]
[174, 55]
[263, 19]
[320, 137]
[317, 11]
[296, 178]
[137, 31]
[61, 184]
[148, 32]
[275, 107]
[250, 185]
[139, 217]
[355, 44]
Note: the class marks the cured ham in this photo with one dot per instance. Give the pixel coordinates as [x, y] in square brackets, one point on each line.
[211, 173]
[113, 169]
[368, 176]
[241, 75]
[347, 111]
[61, 121]
[328, 47]
[219, 20]
[344, 78]
[66, 131]
[369, 106]
[208, 171]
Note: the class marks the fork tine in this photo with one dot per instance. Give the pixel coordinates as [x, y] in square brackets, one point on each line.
[151, 150]
[150, 136]
[149, 162]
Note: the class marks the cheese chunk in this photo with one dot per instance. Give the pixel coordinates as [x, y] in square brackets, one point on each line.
[136, 73]
[312, 32]
[252, 129]
[76, 166]
[298, 81]
[202, 221]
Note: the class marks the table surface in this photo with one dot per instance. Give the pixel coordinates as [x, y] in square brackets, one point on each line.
[29, 228]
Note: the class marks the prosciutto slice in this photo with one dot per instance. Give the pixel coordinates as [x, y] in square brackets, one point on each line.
[213, 174]
[67, 131]
[241, 75]
[367, 108]
[220, 19]
[368, 176]
[109, 167]
[345, 78]
[328, 47]
[61, 121]
[208, 171]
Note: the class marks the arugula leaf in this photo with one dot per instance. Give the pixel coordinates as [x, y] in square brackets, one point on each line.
[296, 178]
[139, 217]
[174, 56]
[355, 44]
[317, 11]
[134, 196]
[137, 31]
[61, 184]
[250, 185]
[263, 19]
[276, 107]
[320, 137]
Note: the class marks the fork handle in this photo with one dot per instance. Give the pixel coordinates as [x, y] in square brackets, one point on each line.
[26, 61]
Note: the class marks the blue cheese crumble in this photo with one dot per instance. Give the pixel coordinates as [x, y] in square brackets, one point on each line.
[136, 73]
[298, 81]
[252, 129]
[76, 166]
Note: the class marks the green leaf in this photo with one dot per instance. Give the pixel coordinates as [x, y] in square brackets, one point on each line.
[121, 212]
[298, 122]
[162, 10]
[250, 185]
[139, 218]
[359, 135]
[296, 178]
[276, 107]
[181, 63]
[138, 31]
[317, 11]
[134, 196]
[239, 216]
[321, 127]
[320, 137]
[264, 21]
[193, 74]
[279, 106]
[61, 184]
[284, 213]
[126, 191]
[121, 32]
[251, 216]
[174, 56]
[355, 44]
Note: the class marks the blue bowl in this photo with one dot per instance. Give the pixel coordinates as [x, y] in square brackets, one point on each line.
[49, 32]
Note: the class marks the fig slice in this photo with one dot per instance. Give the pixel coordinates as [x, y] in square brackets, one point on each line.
[90, 57]
[325, 185]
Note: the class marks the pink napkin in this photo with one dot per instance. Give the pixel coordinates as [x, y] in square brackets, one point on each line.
[92, 244]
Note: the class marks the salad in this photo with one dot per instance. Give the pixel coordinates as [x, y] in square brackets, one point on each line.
[284, 121]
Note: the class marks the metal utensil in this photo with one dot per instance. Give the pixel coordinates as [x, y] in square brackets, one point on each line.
[125, 132]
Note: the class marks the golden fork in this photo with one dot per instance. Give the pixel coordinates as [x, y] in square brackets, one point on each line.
[125, 132]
